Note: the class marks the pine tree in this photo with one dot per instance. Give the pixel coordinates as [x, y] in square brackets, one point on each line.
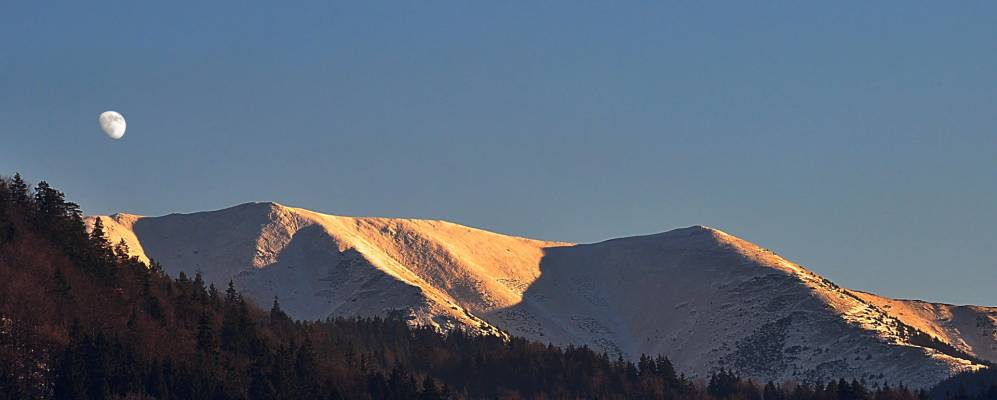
[6, 229]
[722, 384]
[646, 365]
[200, 292]
[236, 323]
[213, 295]
[122, 252]
[156, 268]
[667, 371]
[275, 311]
[19, 192]
[206, 343]
[278, 319]
[99, 242]
[4, 196]
[232, 296]
[49, 203]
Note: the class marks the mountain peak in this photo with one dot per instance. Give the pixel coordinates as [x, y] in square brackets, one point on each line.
[702, 228]
[701, 296]
[263, 205]
[695, 236]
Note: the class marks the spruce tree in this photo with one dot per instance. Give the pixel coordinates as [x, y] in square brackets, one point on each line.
[98, 240]
[278, 318]
[231, 295]
[4, 196]
[213, 297]
[19, 192]
[4, 205]
[47, 202]
[156, 268]
[122, 252]
[206, 342]
[6, 226]
[275, 311]
[200, 292]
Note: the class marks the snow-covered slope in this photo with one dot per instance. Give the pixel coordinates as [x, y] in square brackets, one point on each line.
[704, 298]
[972, 329]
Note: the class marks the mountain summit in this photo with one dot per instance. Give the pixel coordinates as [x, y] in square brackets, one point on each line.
[704, 298]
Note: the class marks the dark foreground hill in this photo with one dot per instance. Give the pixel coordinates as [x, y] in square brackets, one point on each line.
[79, 318]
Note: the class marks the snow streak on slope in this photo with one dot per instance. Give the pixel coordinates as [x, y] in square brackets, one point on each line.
[703, 297]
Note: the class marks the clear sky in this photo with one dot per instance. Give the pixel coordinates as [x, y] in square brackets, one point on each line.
[858, 139]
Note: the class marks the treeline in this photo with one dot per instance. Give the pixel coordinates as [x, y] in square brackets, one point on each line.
[81, 319]
[920, 338]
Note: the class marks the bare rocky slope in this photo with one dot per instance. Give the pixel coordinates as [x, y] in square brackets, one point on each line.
[704, 298]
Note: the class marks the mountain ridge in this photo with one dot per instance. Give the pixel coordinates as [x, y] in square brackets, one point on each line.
[719, 300]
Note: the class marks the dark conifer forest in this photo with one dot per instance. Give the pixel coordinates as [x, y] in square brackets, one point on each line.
[80, 319]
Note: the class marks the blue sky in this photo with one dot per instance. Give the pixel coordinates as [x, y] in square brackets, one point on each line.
[856, 139]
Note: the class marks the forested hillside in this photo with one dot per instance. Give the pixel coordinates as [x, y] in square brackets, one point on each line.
[79, 318]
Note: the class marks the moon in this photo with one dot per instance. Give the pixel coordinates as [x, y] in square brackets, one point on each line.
[113, 124]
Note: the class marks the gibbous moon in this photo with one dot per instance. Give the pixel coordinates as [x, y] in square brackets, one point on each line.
[113, 124]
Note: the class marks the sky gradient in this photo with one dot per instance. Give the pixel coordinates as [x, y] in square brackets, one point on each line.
[859, 140]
